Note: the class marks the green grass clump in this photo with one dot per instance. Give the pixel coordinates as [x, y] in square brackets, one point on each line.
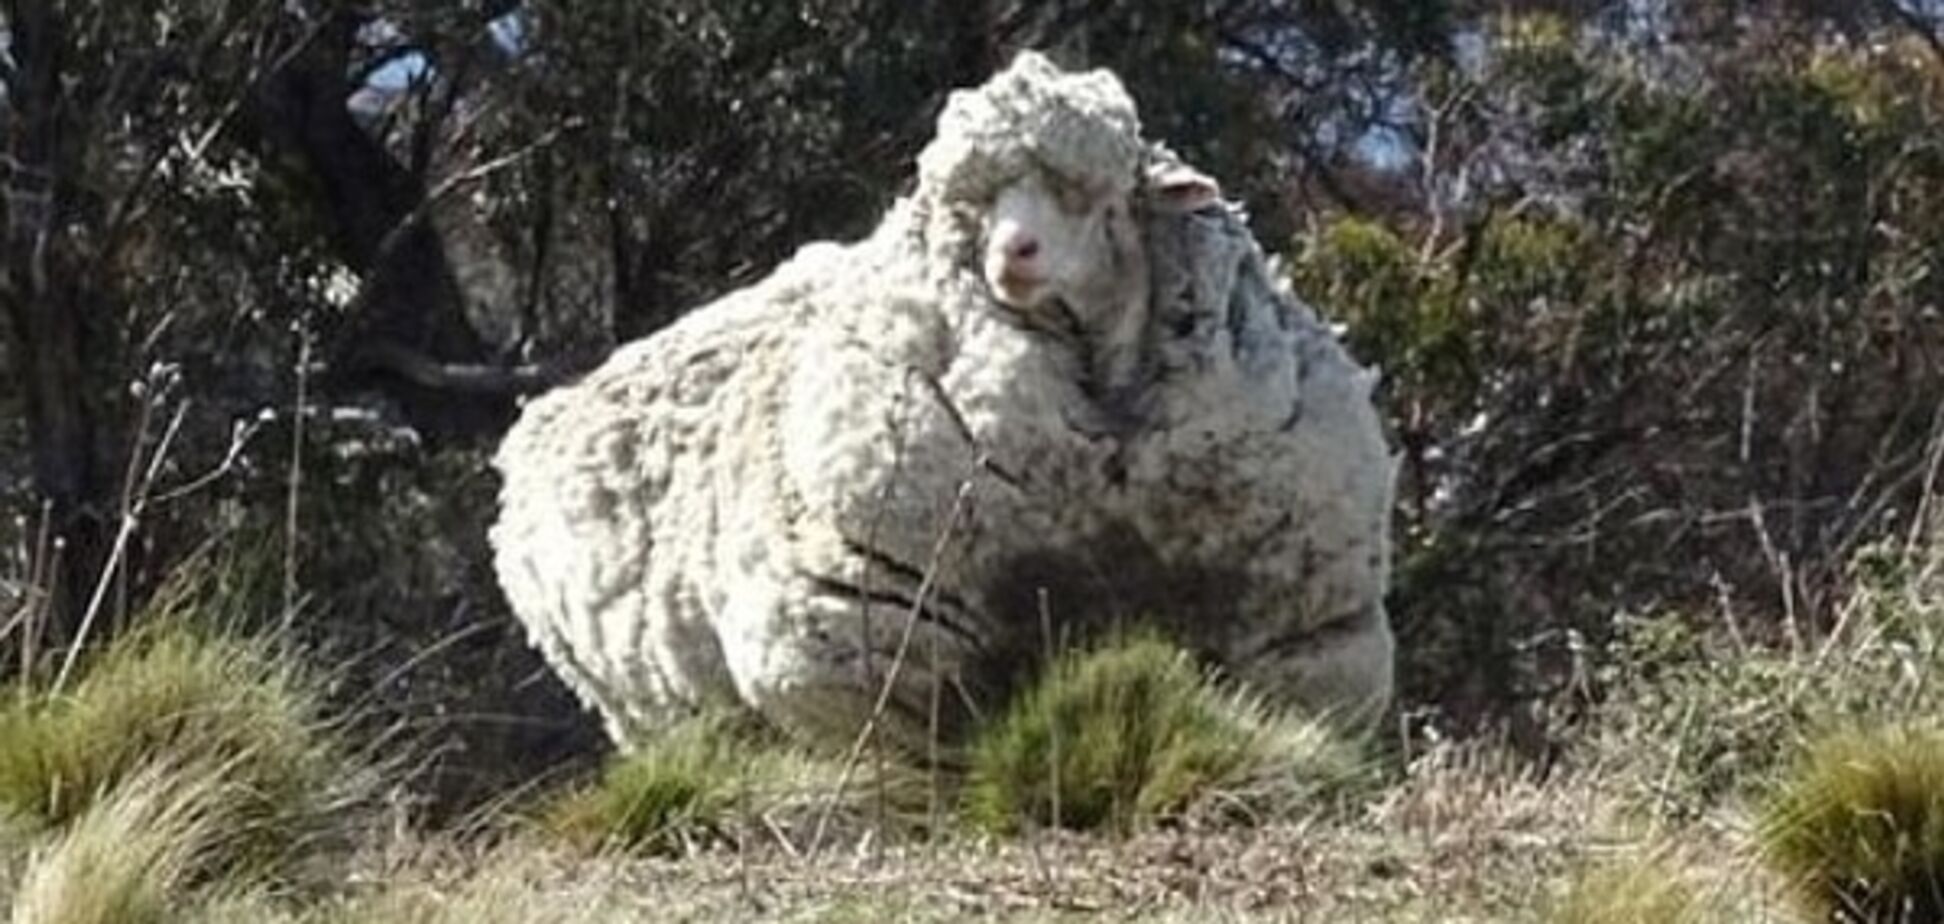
[1134, 732]
[1644, 889]
[690, 785]
[678, 786]
[174, 694]
[1858, 827]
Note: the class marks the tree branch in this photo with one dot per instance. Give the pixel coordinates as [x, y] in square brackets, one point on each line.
[1916, 22]
[466, 378]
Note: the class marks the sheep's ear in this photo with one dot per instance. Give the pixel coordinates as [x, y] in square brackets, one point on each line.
[1183, 188]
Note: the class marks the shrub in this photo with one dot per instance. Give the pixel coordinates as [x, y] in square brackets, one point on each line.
[1858, 827]
[1133, 732]
[1696, 716]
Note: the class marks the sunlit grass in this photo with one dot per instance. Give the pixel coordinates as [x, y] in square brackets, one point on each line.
[1134, 732]
[1645, 888]
[700, 781]
[1857, 828]
[189, 688]
[126, 856]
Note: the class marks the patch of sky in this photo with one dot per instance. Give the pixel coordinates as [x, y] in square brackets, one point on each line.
[399, 72]
[510, 32]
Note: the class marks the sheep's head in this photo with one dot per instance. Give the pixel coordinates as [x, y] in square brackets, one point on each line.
[1039, 165]
[1048, 241]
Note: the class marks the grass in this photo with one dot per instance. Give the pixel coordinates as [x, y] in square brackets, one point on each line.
[173, 693]
[519, 885]
[1698, 719]
[125, 858]
[677, 790]
[706, 779]
[1645, 888]
[189, 706]
[183, 759]
[1132, 733]
[1857, 827]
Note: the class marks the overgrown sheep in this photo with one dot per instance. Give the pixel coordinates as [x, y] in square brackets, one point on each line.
[1055, 391]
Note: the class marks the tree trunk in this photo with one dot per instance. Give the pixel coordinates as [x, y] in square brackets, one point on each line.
[412, 303]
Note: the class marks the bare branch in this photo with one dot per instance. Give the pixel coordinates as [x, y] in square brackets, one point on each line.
[470, 378]
[457, 181]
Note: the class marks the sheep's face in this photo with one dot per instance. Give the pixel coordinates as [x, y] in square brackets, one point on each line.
[1049, 242]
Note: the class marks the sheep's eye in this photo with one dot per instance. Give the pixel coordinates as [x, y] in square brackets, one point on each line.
[1072, 199]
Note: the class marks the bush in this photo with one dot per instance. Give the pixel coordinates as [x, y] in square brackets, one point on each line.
[1858, 827]
[1134, 732]
[1696, 716]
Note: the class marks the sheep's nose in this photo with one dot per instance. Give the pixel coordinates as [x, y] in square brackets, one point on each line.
[1023, 248]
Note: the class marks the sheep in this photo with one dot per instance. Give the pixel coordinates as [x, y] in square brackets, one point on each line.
[689, 523]
[852, 492]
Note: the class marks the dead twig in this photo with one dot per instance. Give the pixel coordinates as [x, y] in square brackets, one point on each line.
[868, 732]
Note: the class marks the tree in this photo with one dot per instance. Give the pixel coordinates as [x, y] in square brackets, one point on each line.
[1657, 334]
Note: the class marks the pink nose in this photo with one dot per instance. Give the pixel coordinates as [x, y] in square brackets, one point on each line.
[1023, 248]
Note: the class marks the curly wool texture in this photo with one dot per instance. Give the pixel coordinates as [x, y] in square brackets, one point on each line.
[1253, 401]
[1031, 116]
[864, 472]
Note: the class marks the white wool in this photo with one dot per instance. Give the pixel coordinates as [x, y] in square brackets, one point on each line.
[748, 506]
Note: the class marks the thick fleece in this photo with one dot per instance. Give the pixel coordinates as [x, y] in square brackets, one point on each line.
[864, 483]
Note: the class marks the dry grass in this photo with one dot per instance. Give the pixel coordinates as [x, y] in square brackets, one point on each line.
[127, 857]
[1457, 839]
[173, 694]
[712, 821]
[1644, 886]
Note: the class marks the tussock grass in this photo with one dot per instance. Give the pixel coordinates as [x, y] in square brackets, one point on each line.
[16, 848]
[172, 694]
[678, 788]
[125, 858]
[1857, 828]
[1134, 732]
